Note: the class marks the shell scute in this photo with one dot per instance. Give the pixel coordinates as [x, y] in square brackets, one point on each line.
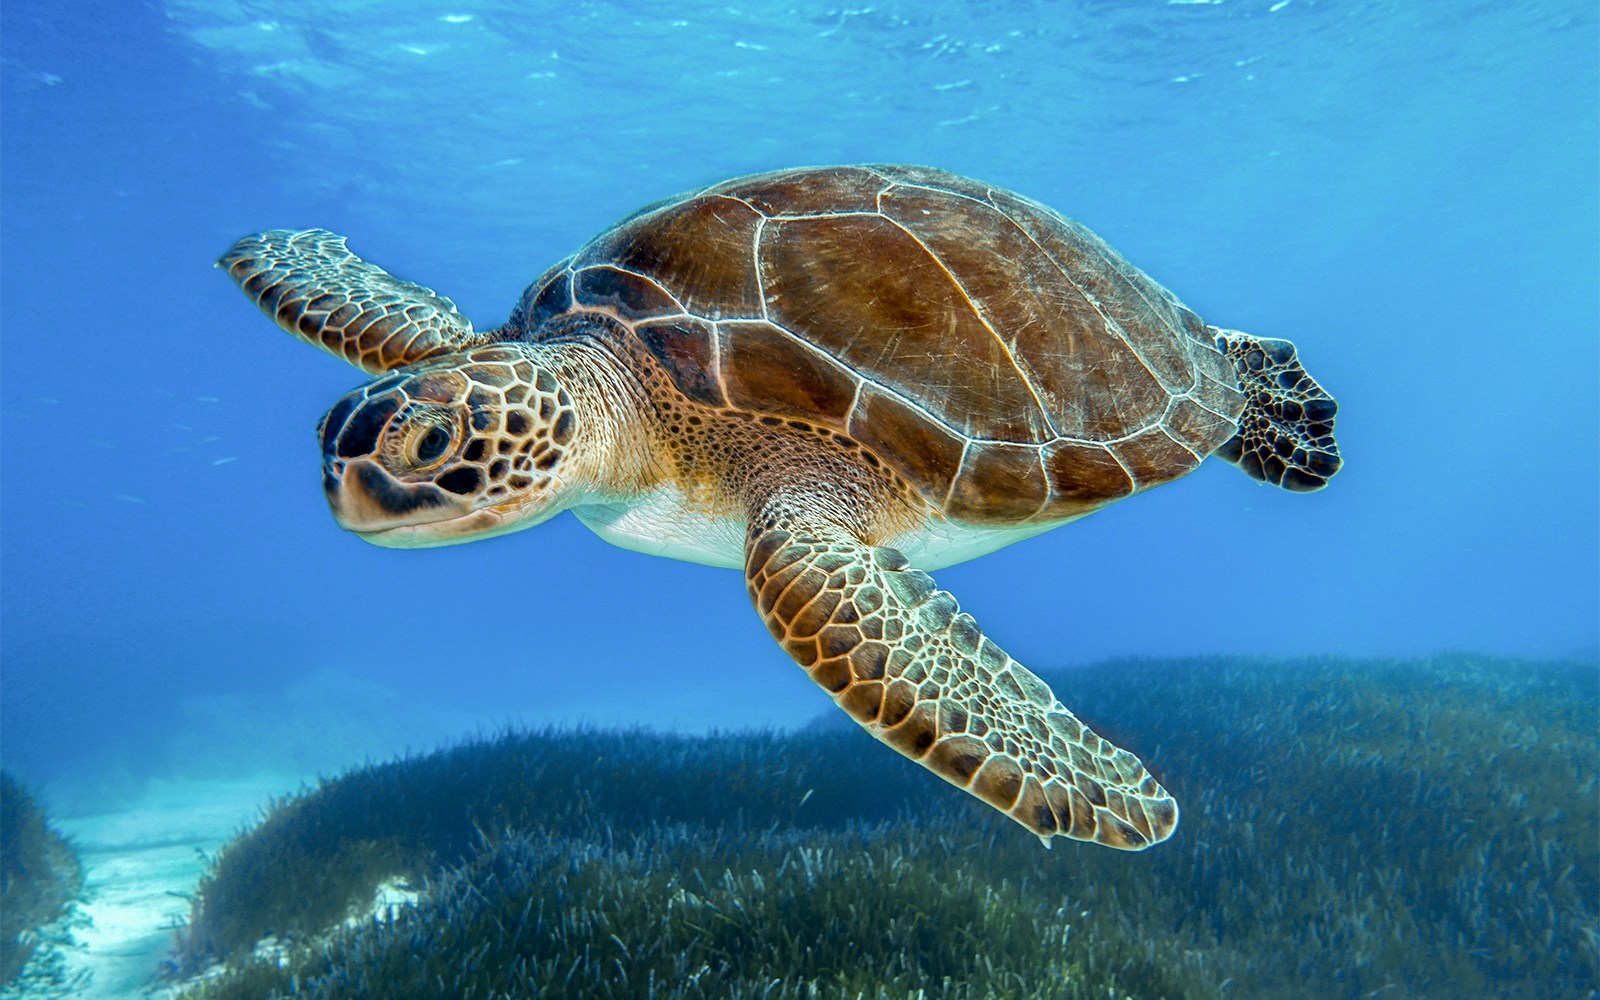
[1188, 420]
[700, 251]
[923, 450]
[1112, 400]
[809, 192]
[632, 296]
[1120, 292]
[766, 368]
[545, 299]
[1085, 475]
[1152, 455]
[1001, 483]
[896, 315]
[686, 350]
[1055, 338]
[933, 178]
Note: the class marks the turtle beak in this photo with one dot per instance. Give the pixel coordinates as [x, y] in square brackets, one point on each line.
[378, 508]
[366, 500]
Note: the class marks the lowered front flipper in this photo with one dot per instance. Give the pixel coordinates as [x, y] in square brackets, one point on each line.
[900, 657]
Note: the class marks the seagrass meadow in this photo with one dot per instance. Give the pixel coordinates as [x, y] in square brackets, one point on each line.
[1423, 828]
[41, 883]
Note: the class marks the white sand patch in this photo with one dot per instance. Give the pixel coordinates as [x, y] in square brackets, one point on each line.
[143, 857]
[141, 863]
[143, 854]
[391, 896]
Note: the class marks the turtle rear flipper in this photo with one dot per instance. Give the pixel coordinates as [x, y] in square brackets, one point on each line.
[1285, 433]
[310, 283]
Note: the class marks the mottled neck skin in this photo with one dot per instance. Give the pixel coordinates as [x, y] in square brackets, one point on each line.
[654, 471]
[615, 452]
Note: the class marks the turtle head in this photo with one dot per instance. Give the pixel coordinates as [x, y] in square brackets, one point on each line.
[464, 434]
[451, 449]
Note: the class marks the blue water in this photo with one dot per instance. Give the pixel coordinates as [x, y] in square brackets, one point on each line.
[1406, 190]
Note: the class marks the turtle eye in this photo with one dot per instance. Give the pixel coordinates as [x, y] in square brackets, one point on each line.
[432, 445]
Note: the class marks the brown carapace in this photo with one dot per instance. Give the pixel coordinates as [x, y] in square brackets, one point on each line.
[835, 378]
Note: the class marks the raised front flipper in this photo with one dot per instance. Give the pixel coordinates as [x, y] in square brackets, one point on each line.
[905, 663]
[314, 287]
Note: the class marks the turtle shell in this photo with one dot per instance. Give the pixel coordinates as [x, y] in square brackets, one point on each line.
[1006, 361]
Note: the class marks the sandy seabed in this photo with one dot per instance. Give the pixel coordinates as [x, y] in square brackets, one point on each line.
[141, 863]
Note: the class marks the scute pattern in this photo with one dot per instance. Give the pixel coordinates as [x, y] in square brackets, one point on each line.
[312, 286]
[1034, 315]
[809, 192]
[766, 370]
[898, 655]
[865, 290]
[630, 295]
[1002, 483]
[1286, 432]
[687, 348]
[1003, 359]
[699, 251]
[925, 451]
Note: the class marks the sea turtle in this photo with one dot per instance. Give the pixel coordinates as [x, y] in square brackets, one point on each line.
[835, 378]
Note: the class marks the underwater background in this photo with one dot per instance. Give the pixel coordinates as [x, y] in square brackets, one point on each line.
[1408, 191]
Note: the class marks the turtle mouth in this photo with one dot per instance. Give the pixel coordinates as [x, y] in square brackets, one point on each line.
[375, 506]
[468, 527]
[472, 526]
[365, 498]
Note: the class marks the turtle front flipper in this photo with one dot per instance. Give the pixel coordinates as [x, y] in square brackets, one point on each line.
[1285, 433]
[905, 663]
[310, 283]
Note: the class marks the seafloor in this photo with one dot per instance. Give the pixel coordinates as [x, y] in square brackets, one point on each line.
[1350, 829]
